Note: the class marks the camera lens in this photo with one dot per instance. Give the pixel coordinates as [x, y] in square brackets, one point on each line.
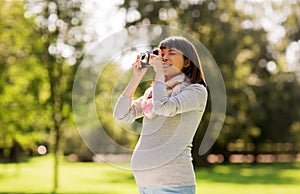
[144, 57]
[155, 52]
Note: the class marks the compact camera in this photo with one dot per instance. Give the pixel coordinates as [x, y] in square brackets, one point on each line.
[144, 57]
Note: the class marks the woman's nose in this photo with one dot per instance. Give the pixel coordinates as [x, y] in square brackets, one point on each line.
[165, 57]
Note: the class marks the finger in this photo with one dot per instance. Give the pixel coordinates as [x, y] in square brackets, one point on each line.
[159, 52]
[138, 62]
[135, 64]
[139, 65]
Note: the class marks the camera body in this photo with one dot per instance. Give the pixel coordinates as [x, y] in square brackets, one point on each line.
[144, 57]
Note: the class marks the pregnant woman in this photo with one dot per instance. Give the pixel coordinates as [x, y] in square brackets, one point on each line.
[172, 109]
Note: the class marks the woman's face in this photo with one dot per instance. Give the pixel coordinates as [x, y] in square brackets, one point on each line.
[173, 62]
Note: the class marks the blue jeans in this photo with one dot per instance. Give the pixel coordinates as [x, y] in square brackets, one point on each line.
[169, 190]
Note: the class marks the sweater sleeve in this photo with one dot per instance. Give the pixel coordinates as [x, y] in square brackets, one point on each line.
[127, 109]
[192, 97]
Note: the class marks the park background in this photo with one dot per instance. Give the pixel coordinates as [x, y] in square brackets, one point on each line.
[255, 43]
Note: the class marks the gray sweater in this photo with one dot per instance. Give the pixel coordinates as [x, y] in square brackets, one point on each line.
[162, 156]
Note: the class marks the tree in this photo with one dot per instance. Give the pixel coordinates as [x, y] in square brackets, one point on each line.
[59, 24]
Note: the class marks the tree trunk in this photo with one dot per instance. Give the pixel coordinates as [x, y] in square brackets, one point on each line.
[56, 100]
[56, 152]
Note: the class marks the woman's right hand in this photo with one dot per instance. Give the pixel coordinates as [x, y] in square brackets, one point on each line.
[138, 73]
[138, 70]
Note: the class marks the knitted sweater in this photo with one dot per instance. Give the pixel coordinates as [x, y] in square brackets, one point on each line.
[162, 156]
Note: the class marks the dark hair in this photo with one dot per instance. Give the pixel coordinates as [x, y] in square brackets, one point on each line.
[194, 71]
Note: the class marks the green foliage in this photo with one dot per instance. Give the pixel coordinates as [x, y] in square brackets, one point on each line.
[23, 87]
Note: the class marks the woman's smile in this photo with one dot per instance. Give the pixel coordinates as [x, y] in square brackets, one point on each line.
[166, 65]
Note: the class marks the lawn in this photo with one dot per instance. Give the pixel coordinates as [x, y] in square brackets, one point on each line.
[36, 176]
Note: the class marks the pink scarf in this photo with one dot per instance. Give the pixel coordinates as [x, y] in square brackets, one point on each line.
[147, 103]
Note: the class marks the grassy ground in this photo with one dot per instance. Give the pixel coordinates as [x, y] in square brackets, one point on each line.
[36, 177]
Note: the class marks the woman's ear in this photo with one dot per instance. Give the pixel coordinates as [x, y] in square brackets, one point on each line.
[186, 63]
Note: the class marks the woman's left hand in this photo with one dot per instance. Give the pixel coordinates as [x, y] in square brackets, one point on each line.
[156, 61]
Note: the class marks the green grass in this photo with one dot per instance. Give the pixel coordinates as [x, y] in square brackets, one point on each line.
[36, 177]
[250, 179]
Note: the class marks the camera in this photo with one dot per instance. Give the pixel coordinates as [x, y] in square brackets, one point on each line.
[144, 57]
